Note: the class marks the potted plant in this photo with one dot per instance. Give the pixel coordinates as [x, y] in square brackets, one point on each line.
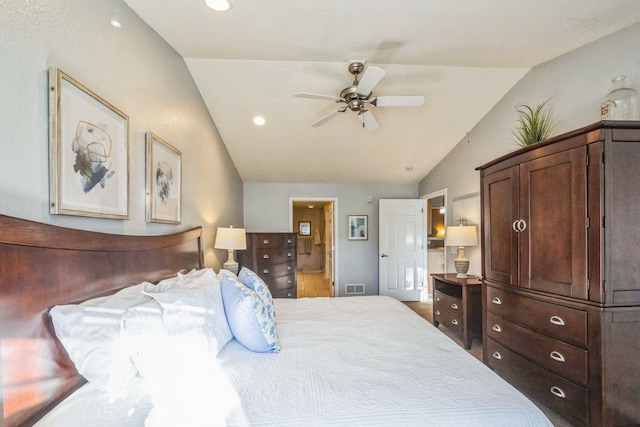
[534, 124]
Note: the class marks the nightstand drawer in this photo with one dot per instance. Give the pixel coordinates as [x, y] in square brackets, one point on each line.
[447, 302]
[561, 395]
[564, 323]
[449, 320]
[274, 256]
[561, 358]
[273, 270]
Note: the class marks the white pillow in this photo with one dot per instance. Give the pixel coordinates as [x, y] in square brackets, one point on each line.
[90, 332]
[194, 321]
[144, 333]
[224, 272]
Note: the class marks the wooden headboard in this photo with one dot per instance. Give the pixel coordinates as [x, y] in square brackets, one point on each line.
[43, 265]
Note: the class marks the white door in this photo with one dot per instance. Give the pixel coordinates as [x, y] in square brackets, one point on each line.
[401, 248]
[328, 233]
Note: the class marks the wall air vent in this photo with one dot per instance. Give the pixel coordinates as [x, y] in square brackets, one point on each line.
[354, 289]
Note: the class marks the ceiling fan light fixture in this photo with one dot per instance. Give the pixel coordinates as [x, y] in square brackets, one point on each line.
[259, 121]
[218, 5]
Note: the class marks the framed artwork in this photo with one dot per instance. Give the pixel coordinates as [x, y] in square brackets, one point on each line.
[358, 228]
[88, 152]
[304, 228]
[164, 181]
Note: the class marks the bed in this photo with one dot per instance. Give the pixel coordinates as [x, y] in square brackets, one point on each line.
[342, 361]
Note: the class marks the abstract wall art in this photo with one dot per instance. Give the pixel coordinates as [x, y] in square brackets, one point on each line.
[164, 181]
[88, 152]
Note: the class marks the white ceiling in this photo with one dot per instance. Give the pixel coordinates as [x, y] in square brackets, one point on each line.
[462, 55]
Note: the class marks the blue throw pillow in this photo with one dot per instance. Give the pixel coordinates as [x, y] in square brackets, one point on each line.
[249, 318]
[254, 282]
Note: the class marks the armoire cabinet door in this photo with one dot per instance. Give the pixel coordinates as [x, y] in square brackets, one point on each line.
[553, 207]
[500, 214]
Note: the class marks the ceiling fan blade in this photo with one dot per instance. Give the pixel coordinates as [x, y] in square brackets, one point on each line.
[368, 121]
[398, 101]
[316, 96]
[369, 80]
[328, 117]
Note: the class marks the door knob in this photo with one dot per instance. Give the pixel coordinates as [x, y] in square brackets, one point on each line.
[384, 255]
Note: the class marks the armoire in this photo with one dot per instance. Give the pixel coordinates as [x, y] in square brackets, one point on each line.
[561, 272]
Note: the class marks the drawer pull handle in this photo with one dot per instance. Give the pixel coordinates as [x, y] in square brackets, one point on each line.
[454, 321]
[265, 242]
[288, 267]
[497, 355]
[437, 298]
[289, 241]
[265, 256]
[289, 281]
[265, 271]
[556, 321]
[497, 328]
[496, 301]
[289, 254]
[515, 225]
[557, 391]
[558, 357]
[437, 312]
[454, 306]
[289, 294]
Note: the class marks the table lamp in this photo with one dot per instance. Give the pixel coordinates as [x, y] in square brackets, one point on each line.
[231, 239]
[461, 236]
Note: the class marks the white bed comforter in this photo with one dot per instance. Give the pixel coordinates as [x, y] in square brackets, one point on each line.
[359, 361]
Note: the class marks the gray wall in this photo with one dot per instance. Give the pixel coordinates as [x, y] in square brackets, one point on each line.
[576, 83]
[266, 208]
[136, 71]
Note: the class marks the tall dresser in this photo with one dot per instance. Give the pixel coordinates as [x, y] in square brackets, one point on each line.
[561, 267]
[273, 257]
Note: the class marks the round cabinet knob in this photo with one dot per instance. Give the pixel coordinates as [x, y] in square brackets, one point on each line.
[454, 321]
[265, 242]
[289, 241]
[289, 294]
[289, 254]
[454, 306]
[289, 281]
[265, 256]
[437, 312]
[288, 267]
[265, 271]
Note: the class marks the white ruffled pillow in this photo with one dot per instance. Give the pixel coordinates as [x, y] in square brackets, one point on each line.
[90, 333]
[194, 325]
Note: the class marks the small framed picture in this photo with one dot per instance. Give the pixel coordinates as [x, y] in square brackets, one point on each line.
[164, 181]
[304, 228]
[88, 152]
[358, 227]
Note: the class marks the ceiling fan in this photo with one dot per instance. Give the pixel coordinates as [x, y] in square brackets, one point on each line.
[358, 97]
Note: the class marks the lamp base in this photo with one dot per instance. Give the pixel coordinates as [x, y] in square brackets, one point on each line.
[461, 263]
[231, 263]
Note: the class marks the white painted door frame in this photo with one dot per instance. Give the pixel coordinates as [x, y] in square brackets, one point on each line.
[428, 196]
[334, 258]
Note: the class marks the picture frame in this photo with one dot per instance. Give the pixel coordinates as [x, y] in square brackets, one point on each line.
[164, 181]
[358, 227]
[304, 228]
[88, 152]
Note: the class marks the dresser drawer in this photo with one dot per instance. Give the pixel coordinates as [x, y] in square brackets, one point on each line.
[559, 394]
[561, 358]
[285, 293]
[449, 320]
[268, 255]
[279, 284]
[268, 270]
[564, 323]
[274, 240]
[447, 302]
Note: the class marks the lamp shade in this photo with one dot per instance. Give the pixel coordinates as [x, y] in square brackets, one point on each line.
[231, 238]
[461, 235]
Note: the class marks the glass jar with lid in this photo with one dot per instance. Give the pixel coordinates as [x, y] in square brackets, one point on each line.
[621, 103]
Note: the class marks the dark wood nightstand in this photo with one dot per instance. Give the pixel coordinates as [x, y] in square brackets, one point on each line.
[457, 305]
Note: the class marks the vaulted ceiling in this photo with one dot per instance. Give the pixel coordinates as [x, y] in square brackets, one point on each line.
[461, 55]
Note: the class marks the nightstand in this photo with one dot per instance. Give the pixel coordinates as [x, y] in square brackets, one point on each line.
[457, 305]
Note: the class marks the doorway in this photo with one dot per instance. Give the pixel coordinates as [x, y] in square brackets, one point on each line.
[313, 219]
[436, 220]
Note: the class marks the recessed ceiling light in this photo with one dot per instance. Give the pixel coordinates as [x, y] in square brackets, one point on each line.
[409, 168]
[259, 121]
[218, 5]
[115, 24]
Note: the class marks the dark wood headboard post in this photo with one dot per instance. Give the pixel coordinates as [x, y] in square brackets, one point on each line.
[44, 265]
